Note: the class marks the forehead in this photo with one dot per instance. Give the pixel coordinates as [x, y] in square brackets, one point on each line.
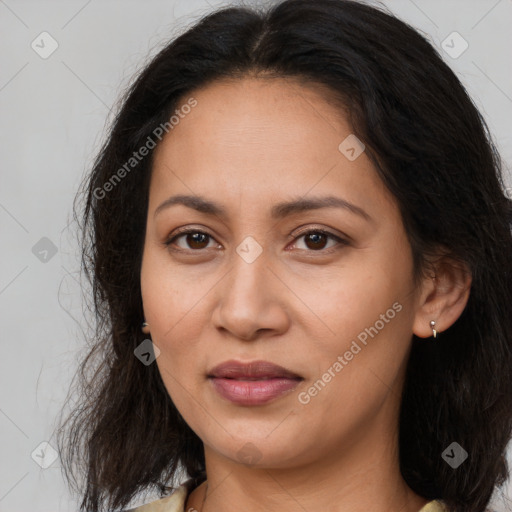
[261, 138]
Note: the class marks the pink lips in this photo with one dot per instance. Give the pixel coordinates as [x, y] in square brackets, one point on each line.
[254, 383]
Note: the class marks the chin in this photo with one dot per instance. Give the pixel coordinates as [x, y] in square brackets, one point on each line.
[258, 451]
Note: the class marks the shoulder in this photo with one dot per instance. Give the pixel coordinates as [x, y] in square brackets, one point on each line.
[434, 506]
[438, 506]
[175, 502]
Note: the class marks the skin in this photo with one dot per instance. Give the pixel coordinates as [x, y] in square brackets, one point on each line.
[248, 144]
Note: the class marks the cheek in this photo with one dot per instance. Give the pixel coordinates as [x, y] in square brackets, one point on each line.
[171, 296]
[368, 316]
[180, 362]
[355, 302]
[355, 376]
[173, 310]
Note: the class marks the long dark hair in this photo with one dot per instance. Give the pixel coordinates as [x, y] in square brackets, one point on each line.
[432, 150]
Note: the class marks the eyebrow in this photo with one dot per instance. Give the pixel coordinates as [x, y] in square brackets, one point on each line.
[278, 211]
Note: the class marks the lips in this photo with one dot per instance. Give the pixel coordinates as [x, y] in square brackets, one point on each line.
[256, 370]
[254, 383]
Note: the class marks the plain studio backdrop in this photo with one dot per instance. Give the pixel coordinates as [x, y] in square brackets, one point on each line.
[63, 66]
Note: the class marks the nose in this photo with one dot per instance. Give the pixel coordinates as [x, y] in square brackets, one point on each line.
[250, 300]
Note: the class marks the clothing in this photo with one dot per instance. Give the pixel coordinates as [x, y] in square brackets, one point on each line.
[177, 500]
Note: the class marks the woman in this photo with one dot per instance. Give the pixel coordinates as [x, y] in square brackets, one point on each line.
[299, 247]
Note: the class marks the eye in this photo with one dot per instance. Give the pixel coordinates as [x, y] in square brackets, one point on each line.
[316, 240]
[194, 238]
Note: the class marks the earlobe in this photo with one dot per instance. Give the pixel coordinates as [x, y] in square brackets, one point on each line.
[443, 298]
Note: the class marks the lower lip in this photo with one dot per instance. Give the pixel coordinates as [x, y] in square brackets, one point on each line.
[253, 392]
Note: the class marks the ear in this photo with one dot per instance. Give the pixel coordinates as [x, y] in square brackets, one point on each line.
[442, 298]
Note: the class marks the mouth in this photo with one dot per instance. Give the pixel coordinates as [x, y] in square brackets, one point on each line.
[254, 383]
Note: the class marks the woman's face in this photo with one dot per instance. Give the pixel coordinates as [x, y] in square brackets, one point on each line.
[297, 257]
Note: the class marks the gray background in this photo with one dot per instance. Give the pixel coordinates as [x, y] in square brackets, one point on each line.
[53, 119]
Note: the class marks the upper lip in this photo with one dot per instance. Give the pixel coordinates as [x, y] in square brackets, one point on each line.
[251, 370]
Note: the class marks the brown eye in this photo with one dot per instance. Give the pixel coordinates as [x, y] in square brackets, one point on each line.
[194, 240]
[318, 240]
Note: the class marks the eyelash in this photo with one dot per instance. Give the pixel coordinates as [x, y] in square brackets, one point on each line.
[341, 241]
